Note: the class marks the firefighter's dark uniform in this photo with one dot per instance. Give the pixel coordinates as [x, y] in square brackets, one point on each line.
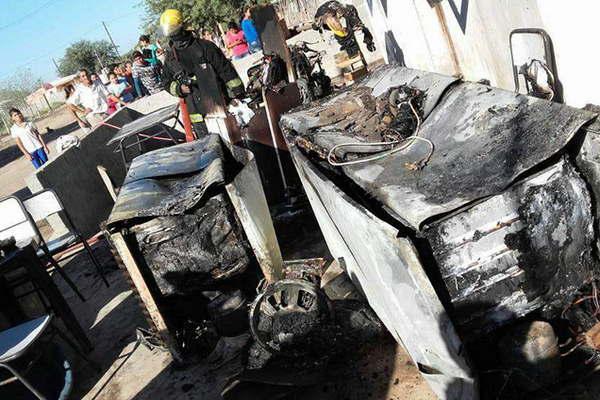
[201, 65]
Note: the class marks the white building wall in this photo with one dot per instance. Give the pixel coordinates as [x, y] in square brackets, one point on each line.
[574, 28]
[482, 50]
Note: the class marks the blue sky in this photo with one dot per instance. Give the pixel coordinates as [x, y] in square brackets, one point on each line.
[33, 31]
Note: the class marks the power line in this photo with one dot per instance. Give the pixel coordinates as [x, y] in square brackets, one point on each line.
[28, 15]
[61, 46]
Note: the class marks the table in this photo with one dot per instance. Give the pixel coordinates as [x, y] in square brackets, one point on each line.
[26, 257]
[137, 127]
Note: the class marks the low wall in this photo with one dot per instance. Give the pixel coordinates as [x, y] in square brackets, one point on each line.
[74, 176]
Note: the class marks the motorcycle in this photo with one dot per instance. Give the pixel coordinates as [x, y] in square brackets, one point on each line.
[311, 78]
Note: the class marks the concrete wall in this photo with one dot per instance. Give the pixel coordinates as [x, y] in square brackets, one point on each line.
[471, 38]
[74, 176]
[464, 37]
[571, 25]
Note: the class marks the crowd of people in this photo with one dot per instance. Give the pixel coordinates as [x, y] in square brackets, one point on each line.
[95, 96]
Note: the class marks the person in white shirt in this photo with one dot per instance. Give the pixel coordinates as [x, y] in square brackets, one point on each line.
[28, 139]
[92, 98]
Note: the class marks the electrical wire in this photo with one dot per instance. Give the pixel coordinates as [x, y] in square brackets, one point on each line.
[27, 15]
[406, 143]
[60, 47]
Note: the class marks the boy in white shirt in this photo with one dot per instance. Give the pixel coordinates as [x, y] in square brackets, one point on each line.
[28, 138]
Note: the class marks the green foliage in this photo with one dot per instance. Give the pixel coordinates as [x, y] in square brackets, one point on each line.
[86, 54]
[13, 90]
[197, 13]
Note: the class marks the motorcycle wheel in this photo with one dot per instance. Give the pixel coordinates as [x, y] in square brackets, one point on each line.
[305, 91]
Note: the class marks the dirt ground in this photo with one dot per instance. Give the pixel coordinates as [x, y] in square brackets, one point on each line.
[129, 370]
[14, 168]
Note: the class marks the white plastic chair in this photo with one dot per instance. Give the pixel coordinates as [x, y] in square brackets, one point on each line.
[42, 205]
[16, 341]
[16, 222]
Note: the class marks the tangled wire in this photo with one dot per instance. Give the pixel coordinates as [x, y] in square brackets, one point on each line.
[399, 110]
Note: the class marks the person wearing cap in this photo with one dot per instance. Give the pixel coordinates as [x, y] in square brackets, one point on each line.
[146, 73]
[189, 63]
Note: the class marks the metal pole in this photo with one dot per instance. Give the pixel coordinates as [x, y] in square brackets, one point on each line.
[111, 39]
[55, 64]
[99, 59]
[47, 102]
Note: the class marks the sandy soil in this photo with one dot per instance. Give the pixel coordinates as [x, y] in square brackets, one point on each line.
[129, 370]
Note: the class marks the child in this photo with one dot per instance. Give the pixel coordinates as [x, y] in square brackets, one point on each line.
[28, 139]
[236, 41]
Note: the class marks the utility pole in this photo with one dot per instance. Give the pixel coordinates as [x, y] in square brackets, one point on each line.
[55, 64]
[111, 39]
[99, 59]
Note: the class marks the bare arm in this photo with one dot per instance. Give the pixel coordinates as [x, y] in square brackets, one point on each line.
[117, 100]
[41, 139]
[73, 108]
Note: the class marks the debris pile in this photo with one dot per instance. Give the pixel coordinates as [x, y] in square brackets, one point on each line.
[503, 215]
[375, 124]
[298, 331]
[202, 273]
[183, 229]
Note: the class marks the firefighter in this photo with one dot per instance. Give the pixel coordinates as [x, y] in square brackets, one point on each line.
[343, 21]
[197, 70]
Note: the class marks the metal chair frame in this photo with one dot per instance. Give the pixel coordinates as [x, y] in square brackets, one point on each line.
[35, 230]
[70, 226]
[54, 331]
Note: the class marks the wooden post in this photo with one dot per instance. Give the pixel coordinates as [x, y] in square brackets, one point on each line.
[145, 294]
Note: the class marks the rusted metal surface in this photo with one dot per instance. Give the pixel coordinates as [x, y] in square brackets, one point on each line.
[592, 337]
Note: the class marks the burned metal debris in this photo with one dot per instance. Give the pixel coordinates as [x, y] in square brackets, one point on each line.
[298, 330]
[503, 214]
[524, 250]
[194, 251]
[484, 139]
[183, 229]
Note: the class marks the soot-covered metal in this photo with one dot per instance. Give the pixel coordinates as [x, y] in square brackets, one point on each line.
[180, 224]
[526, 249]
[508, 231]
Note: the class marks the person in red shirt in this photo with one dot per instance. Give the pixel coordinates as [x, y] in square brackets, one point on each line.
[236, 41]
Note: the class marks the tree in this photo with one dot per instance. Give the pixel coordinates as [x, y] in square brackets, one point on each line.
[16, 88]
[13, 92]
[197, 14]
[86, 54]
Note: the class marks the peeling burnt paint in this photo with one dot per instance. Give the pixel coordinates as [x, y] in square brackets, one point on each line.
[527, 249]
[169, 181]
[484, 138]
[192, 252]
[504, 223]
[174, 205]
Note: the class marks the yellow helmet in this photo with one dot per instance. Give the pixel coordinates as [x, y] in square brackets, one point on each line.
[171, 22]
